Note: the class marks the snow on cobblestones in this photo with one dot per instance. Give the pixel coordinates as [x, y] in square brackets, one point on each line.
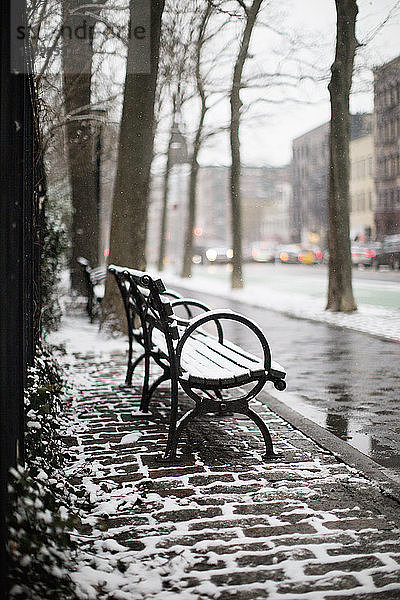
[221, 523]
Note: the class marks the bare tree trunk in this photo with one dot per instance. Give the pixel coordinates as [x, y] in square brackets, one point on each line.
[251, 16]
[236, 208]
[194, 165]
[191, 215]
[135, 152]
[164, 210]
[77, 55]
[340, 292]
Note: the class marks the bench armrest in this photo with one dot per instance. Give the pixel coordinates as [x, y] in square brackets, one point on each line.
[217, 315]
[172, 294]
[187, 303]
[83, 262]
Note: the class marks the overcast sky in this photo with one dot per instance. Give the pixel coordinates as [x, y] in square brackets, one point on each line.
[267, 141]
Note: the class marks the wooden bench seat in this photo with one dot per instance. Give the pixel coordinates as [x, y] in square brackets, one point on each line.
[208, 363]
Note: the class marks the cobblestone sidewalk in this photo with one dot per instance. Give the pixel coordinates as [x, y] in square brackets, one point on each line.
[222, 523]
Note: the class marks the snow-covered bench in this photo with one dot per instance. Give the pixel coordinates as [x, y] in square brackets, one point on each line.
[95, 285]
[209, 368]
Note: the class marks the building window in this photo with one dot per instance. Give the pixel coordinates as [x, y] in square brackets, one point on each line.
[370, 166]
[362, 201]
[394, 133]
[392, 95]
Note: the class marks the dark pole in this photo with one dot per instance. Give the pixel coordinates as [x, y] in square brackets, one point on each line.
[17, 266]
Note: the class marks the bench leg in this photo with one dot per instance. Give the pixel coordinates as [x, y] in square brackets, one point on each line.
[269, 450]
[175, 433]
[145, 389]
[152, 389]
[129, 371]
[131, 368]
[89, 309]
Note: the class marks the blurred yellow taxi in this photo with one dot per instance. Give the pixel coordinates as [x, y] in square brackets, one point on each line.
[307, 257]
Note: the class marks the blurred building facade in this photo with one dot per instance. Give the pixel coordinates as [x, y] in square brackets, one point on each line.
[310, 170]
[176, 215]
[310, 163]
[213, 216]
[362, 187]
[266, 195]
[387, 147]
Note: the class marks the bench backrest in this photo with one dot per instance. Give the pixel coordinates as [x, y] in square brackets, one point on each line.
[92, 275]
[144, 296]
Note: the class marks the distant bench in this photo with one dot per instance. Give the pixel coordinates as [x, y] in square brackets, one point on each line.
[207, 367]
[95, 284]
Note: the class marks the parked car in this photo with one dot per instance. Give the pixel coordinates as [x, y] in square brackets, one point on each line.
[389, 253]
[320, 256]
[213, 253]
[219, 255]
[364, 254]
[247, 256]
[310, 256]
[287, 254]
[263, 252]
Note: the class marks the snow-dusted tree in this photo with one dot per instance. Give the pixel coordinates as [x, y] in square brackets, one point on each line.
[250, 13]
[78, 22]
[135, 153]
[206, 11]
[340, 291]
[176, 73]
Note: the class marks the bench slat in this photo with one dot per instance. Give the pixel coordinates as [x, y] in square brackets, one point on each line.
[245, 358]
[201, 370]
[231, 352]
[204, 364]
[217, 358]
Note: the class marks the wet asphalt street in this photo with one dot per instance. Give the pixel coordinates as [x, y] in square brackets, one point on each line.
[346, 381]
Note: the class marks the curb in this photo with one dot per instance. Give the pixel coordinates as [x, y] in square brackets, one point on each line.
[340, 449]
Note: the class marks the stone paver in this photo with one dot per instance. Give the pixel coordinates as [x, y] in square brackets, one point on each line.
[221, 523]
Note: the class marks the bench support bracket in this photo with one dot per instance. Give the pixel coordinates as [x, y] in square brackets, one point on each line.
[209, 405]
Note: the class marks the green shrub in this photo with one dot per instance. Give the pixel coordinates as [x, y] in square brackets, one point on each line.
[41, 550]
[54, 247]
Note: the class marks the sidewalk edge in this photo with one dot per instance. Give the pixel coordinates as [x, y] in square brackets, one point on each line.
[339, 448]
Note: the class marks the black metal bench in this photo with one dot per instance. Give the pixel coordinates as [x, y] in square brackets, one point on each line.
[95, 285]
[207, 367]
